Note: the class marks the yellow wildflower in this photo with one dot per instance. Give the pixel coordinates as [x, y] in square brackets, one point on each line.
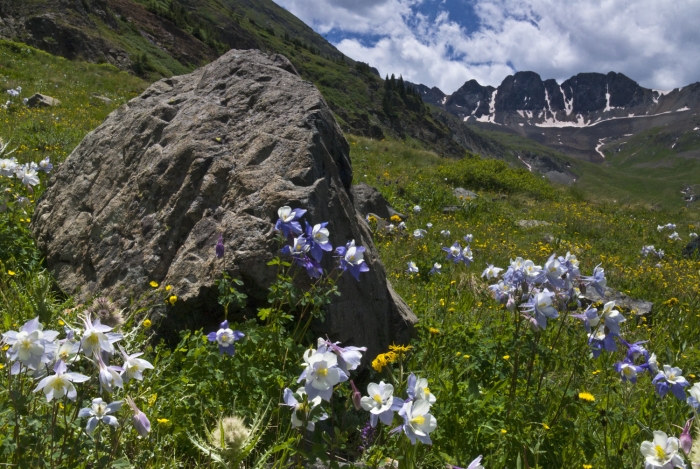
[154, 284]
[400, 348]
[587, 466]
[503, 431]
[152, 399]
[163, 421]
[545, 426]
[586, 396]
[147, 323]
[172, 300]
[11, 273]
[506, 357]
[395, 218]
[434, 331]
[168, 288]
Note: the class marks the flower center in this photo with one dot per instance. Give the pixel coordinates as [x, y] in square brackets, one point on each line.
[323, 372]
[672, 376]
[660, 453]
[58, 383]
[419, 420]
[92, 339]
[426, 391]
[378, 399]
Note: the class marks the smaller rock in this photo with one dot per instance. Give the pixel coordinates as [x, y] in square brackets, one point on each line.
[692, 248]
[104, 99]
[451, 209]
[367, 199]
[531, 223]
[42, 100]
[464, 194]
[622, 301]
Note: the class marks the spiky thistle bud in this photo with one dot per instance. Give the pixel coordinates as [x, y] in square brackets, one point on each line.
[107, 312]
[230, 435]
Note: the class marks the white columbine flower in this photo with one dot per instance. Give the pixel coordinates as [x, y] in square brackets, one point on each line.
[97, 336]
[99, 411]
[662, 452]
[491, 272]
[419, 233]
[416, 208]
[31, 344]
[133, 366]
[412, 268]
[674, 236]
[8, 166]
[27, 175]
[380, 403]
[109, 376]
[445, 233]
[418, 422]
[612, 317]
[301, 410]
[418, 389]
[60, 384]
[531, 270]
[320, 234]
[321, 374]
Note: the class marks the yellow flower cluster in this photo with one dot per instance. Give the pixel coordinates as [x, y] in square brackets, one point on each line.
[384, 359]
[586, 396]
[395, 218]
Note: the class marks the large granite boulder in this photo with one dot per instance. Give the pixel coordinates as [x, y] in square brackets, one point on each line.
[145, 196]
[367, 200]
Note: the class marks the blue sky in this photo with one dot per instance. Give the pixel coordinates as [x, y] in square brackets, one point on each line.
[447, 42]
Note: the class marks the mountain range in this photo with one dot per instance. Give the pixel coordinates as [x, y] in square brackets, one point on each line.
[603, 132]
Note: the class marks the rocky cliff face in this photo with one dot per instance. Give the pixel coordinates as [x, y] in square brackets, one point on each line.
[216, 152]
[609, 105]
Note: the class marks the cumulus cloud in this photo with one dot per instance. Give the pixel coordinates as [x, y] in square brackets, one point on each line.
[654, 42]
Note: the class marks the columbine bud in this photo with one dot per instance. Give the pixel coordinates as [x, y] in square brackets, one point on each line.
[356, 396]
[510, 304]
[685, 439]
[220, 247]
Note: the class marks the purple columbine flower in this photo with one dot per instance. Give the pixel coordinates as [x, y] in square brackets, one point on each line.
[220, 247]
[418, 423]
[139, 419]
[225, 337]
[628, 370]
[352, 259]
[475, 464]
[454, 253]
[349, 357]
[589, 317]
[685, 439]
[317, 240]
[45, 165]
[436, 269]
[599, 341]
[671, 379]
[635, 350]
[288, 220]
[597, 280]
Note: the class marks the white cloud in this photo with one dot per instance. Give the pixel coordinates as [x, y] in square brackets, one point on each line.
[655, 42]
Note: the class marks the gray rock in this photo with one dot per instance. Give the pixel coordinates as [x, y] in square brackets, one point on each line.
[560, 178]
[451, 209]
[367, 200]
[622, 301]
[42, 100]
[464, 194]
[146, 194]
[104, 99]
[692, 248]
[531, 223]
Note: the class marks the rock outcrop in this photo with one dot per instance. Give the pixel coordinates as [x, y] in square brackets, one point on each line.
[145, 196]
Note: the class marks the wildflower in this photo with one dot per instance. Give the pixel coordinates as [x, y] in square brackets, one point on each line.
[554, 271]
[454, 252]
[416, 209]
[418, 422]
[303, 408]
[225, 337]
[671, 379]
[467, 256]
[469, 238]
[172, 300]
[13, 93]
[491, 272]
[400, 348]
[662, 452]
[436, 269]
[168, 287]
[356, 396]
[445, 233]
[652, 365]
[599, 341]
[395, 218]
[287, 222]
[61, 383]
[417, 388]
[133, 367]
[506, 357]
[379, 362]
[434, 331]
[219, 249]
[45, 165]
[349, 357]
[628, 371]
[147, 323]
[321, 374]
[419, 233]
[97, 336]
[428, 225]
[533, 273]
[11, 273]
[586, 396]
[402, 226]
[674, 237]
[381, 403]
[686, 440]
[229, 436]
[153, 284]
[694, 398]
[352, 259]
[139, 419]
[693, 235]
[298, 248]
[109, 376]
[476, 464]
[503, 431]
[30, 344]
[597, 280]
[646, 250]
[99, 412]
[589, 317]
[107, 312]
[541, 305]
[390, 227]
[612, 317]
[318, 240]
[412, 268]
